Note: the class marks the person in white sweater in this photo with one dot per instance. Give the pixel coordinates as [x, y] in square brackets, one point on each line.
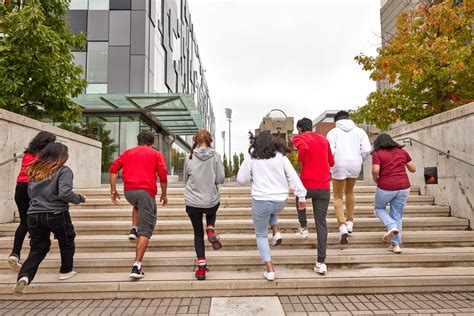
[350, 146]
[271, 174]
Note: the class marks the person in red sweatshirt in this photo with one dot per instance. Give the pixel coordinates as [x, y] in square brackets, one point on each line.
[315, 159]
[140, 167]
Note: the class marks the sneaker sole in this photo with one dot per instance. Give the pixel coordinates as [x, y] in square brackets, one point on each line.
[318, 272]
[132, 238]
[67, 277]
[200, 278]
[278, 242]
[19, 288]
[344, 240]
[216, 243]
[136, 276]
[388, 236]
[14, 265]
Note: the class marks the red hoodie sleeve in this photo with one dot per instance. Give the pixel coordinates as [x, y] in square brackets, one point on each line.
[161, 168]
[301, 146]
[117, 165]
[330, 156]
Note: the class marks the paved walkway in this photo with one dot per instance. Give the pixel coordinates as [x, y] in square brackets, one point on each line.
[387, 304]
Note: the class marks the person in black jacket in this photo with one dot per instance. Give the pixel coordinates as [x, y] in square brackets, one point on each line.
[50, 190]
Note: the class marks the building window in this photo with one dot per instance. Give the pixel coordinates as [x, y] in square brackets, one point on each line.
[97, 59]
[79, 4]
[119, 4]
[96, 88]
[99, 5]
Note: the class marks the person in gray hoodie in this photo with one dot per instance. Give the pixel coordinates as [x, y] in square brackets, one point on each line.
[50, 190]
[203, 172]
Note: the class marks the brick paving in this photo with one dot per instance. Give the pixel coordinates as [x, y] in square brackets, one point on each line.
[461, 303]
[380, 304]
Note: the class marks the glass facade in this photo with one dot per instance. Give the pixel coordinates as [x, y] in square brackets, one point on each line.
[97, 60]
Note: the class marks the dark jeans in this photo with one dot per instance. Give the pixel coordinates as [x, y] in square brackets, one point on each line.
[22, 201]
[320, 199]
[40, 226]
[195, 214]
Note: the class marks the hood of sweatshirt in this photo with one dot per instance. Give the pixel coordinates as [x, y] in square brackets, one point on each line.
[345, 125]
[204, 153]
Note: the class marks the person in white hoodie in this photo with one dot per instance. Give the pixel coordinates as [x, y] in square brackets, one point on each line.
[271, 174]
[350, 146]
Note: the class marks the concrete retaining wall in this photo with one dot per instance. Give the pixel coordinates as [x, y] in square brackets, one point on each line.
[453, 131]
[16, 131]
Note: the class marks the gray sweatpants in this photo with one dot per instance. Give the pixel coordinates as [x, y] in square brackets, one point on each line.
[320, 199]
[146, 205]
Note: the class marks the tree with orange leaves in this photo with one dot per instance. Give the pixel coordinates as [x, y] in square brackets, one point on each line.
[428, 64]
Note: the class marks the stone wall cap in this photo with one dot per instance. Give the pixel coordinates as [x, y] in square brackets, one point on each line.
[40, 126]
[459, 112]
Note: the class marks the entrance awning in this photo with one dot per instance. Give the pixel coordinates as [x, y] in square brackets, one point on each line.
[175, 113]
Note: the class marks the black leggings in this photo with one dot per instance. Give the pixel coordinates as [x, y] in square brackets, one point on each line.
[22, 201]
[195, 214]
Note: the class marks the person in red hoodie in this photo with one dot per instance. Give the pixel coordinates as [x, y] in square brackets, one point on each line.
[22, 199]
[315, 159]
[141, 165]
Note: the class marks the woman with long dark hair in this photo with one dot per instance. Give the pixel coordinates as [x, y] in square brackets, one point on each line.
[203, 172]
[271, 174]
[22, 199]
[50, 188]
[389, 164]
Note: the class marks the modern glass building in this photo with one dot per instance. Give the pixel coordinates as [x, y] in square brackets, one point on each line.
[144, 70]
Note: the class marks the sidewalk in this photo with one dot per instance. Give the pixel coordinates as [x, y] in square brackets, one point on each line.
[400, 304]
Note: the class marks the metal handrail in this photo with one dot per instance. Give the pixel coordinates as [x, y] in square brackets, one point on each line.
[14, 158]
[441, 152]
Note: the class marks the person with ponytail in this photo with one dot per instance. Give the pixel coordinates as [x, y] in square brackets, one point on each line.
[203, 172]
[50, 189]
[22, 200]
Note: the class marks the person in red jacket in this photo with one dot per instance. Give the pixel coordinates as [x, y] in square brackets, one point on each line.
[22, 200]
[315, 159]
[140, 167]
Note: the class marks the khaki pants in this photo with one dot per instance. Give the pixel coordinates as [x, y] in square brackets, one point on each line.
[341, 187]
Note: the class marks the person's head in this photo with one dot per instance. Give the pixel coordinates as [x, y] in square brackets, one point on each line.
[145, 138]
[265, 146]
[50, 159]
[202, 138]
[341, 115]
[39, 142]
[385, 141]
[304, 125]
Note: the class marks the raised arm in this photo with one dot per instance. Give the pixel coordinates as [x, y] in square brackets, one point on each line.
[245, 171]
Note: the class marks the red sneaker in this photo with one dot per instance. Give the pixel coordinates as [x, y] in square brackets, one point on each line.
[201, 272]
[213, 238]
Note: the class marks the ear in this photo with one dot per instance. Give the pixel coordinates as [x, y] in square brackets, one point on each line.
[299, 130]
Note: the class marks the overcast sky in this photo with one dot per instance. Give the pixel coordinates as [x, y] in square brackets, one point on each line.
[295, 55]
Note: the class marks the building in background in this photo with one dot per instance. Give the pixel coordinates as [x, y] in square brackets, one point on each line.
[324, 122]
[278, 124]
[144, 70]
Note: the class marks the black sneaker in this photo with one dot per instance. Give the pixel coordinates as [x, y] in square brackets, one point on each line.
[136, 273]
[133, 235]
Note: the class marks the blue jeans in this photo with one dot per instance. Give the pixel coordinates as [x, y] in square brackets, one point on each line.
[398, 200]
[263, 214]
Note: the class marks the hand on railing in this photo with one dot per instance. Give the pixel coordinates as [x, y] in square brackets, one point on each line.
[14, 158]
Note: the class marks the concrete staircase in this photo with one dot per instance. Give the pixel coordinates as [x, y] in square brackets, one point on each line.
[438, 253]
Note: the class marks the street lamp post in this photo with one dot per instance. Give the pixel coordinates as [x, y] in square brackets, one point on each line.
[228, 115]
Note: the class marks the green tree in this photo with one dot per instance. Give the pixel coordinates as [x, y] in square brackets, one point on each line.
[241, 158]
[97, 131]
[177, 161]
[37, 74]
[227, 170]
[236, 164]
[428, 63]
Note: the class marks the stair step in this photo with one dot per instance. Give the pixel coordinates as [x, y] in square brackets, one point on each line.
[292, 281]
[181, 242]
[249, 260]
[100, 214]
[238, 201]
[246, 225]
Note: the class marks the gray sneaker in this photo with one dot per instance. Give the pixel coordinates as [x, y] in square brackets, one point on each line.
[14, 262]
[20, 286]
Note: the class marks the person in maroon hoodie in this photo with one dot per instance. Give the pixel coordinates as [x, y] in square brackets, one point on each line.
[141, 165]
[22, 200]
[315, 159]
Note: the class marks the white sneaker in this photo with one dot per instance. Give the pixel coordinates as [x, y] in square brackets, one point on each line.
[302, 233]
[349, 226]
[277, 239]
[15, 263]
[344, 234]
[270, 276]
[320, 268]
[388, 235]
[395, 248]
[65, 276]
[20, 286]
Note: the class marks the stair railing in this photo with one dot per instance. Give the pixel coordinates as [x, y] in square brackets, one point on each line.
[14, 159]
[440, 152]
